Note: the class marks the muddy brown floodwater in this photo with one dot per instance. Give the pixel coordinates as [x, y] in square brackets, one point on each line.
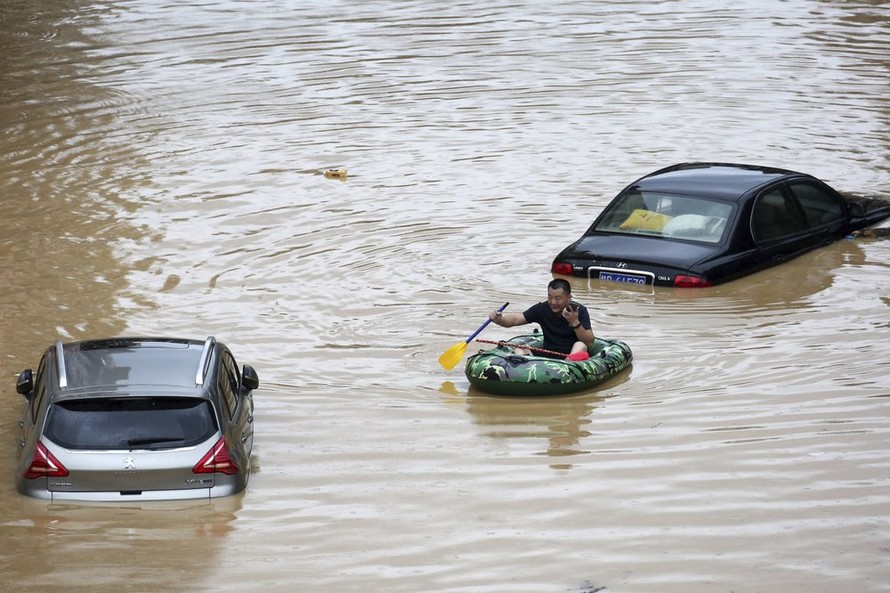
[161, 172]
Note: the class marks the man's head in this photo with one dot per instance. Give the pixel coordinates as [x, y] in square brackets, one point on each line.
[559, 294]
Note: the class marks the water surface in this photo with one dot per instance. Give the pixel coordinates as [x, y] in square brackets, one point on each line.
[161, 173]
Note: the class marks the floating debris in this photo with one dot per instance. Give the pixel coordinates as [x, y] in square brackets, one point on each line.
[587, 587]
[335, 173]
[877, 233]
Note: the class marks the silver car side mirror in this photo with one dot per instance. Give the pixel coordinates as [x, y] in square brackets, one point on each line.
[249, 378]
[25, 383]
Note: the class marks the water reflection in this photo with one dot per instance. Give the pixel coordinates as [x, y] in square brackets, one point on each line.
[157, 547]
[70, 180]
[788, 286]
[563, 422]
[66, 179]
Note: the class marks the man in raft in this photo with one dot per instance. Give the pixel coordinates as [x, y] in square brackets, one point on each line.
[565, 323]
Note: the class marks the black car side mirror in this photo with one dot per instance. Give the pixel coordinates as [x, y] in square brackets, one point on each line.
[25, 383]
[857, 210]
[249, 378]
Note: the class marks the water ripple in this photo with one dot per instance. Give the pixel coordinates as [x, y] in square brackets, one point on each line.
[162, 172]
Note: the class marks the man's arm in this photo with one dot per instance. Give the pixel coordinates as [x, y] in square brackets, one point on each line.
[574, 318]
[583, 334]
[507, 319]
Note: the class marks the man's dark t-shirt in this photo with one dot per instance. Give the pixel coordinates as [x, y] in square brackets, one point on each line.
[558, 335]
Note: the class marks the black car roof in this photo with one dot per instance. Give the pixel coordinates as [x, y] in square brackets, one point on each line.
[119, 363]
[727, 181]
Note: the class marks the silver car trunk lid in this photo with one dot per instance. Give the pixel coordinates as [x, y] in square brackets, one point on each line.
[131, 443]
[130, 471]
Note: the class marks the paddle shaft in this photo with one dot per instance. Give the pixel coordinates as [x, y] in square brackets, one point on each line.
[484, 325]
[452, 356]
[526, 346]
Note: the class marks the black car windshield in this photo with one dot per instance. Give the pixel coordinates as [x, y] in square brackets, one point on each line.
[130, 423]
[667, 215]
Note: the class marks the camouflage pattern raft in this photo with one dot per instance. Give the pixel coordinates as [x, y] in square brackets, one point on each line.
[502, 372]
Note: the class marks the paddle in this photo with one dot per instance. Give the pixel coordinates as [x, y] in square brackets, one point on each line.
[453, 355]
[578, 356]
[526, 346]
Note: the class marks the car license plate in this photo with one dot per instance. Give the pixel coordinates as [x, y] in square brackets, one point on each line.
[626, 278]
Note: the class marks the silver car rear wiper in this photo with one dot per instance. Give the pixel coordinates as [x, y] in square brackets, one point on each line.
[152, 441]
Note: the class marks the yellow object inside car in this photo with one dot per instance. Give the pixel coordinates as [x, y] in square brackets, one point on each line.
[645, 220]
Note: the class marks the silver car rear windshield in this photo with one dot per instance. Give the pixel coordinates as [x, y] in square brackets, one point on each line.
[130, 423]
[667, 215]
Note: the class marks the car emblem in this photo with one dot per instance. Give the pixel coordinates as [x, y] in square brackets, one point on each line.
[622, 264]
[129, 463]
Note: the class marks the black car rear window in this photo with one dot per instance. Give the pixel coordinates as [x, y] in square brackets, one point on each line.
[130, 423]
[667, 215]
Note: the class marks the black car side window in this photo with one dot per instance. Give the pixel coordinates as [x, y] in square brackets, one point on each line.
[819, 206]
[775, 216]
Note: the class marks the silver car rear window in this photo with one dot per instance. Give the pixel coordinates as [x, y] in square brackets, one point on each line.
[129, 423]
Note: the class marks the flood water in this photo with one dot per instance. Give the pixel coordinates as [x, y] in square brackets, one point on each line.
[160, 173]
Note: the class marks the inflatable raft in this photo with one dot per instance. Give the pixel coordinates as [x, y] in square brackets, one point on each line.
[501, 371]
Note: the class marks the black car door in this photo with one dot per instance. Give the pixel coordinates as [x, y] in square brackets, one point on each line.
[779, 228]
[826, 212]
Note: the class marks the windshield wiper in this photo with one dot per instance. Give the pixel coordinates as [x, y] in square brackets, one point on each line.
[152, 441]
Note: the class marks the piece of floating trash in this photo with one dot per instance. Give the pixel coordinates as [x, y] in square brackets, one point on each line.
[335, 173]
[873, 233]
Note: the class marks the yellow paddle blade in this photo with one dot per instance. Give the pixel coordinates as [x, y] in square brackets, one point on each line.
[453, 355]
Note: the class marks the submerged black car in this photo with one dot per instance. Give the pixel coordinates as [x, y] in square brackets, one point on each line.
[700, 224]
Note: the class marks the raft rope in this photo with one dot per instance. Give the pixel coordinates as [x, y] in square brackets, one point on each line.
[518, 345]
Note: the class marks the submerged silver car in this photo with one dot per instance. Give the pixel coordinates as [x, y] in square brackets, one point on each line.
[127, 419]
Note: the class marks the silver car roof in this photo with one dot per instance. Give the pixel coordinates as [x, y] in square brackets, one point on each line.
[132, 365]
